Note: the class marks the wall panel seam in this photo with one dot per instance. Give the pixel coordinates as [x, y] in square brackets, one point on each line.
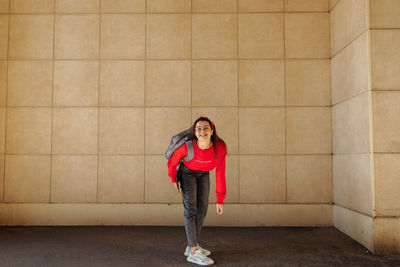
[52, 102]
[5, 109]
[353, 210]
[98, 106]
[238, 99]
[284, 86]
[145, 102]
[350, 98]
[349, 43]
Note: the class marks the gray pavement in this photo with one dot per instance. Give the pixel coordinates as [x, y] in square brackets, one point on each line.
[164, 246]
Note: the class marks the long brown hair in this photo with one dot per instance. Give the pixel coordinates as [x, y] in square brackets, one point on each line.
[215, 139]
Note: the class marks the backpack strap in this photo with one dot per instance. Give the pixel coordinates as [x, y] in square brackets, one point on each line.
[190, 154]
[177, 141]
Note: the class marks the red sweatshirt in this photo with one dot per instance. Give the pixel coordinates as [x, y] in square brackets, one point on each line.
[203, 160]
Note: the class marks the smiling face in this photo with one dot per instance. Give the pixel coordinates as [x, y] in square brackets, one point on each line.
[203, 130]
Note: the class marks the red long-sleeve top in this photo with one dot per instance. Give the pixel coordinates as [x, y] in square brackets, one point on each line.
[203, 160]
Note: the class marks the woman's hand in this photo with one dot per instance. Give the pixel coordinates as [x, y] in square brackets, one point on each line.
[176, 186]
[220, 208]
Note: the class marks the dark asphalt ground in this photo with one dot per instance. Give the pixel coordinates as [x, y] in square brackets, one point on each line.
[164, 246]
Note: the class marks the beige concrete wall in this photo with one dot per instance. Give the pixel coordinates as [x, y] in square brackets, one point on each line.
[358, 226]
[92, 91]
[352, 120]
[365, 45]
[318, 215]
[385, 78]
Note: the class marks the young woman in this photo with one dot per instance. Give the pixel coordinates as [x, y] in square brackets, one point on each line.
[209, 152]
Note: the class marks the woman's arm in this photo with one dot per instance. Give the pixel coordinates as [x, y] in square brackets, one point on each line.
[174, 160]
[220, 186]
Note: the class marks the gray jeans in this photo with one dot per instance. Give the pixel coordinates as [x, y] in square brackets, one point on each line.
[195, 190]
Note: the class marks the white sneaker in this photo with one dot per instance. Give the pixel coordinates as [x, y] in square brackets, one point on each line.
[198, 258]
[187, 251]
[203, 251]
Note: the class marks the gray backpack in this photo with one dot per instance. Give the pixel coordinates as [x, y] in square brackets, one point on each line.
[178, 140]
